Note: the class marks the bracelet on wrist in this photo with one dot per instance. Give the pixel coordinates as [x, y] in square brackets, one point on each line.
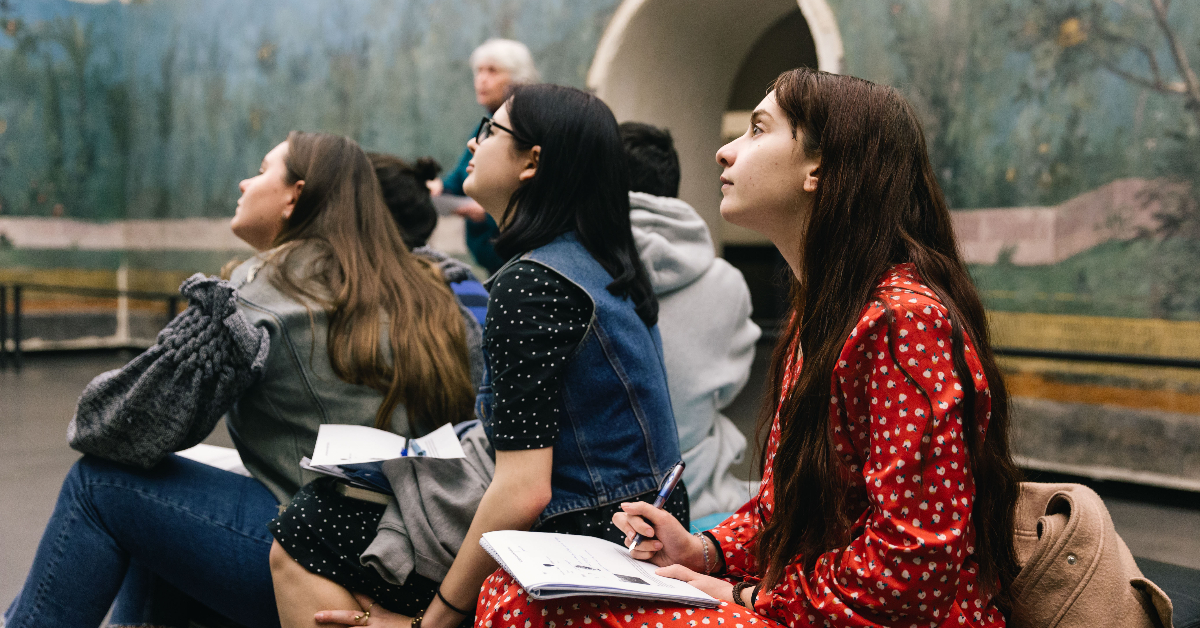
[704, 548]
[737, 593]
[718, 565]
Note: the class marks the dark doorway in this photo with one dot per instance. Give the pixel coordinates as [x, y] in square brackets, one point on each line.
[786, 45]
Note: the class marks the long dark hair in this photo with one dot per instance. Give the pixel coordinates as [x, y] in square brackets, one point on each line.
[362, 272]
[581, 185]
[877, 204]
[406, 195]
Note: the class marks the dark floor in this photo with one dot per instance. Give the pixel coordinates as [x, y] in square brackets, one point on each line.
[37, 402]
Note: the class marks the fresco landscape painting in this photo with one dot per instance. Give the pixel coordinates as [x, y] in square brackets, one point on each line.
[1066, 134]
[147, 113]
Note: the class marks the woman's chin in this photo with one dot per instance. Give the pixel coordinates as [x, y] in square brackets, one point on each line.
[735, 215]
[746, 219]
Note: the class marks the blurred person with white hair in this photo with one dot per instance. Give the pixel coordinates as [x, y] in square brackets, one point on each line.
[498, 64]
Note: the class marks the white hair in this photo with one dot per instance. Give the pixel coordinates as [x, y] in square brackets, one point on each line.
[509, 54]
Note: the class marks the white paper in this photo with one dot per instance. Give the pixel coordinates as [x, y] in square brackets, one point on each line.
[334, 470]
[355, 444]
[226, 458]
[551, 566]
[440, 443]
[352, 444]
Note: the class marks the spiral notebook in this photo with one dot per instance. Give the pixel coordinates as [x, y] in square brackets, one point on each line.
[551, 566]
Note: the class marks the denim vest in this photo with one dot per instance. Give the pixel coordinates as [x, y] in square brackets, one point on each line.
[617, 438]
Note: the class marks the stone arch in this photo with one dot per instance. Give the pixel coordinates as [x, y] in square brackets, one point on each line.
[672, 63]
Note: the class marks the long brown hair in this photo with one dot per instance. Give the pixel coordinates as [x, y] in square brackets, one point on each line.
[877, 204]
[363, 275]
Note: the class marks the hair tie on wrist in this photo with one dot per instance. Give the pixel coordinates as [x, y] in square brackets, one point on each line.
[737, 593]
[451, 606]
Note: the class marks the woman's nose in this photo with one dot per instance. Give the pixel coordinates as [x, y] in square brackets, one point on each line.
[472, 145]
[242, 185]
[726, 155]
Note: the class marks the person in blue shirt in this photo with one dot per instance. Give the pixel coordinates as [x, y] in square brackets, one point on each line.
[498, 64]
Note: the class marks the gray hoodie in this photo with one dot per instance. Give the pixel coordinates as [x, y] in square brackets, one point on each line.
[708, 343]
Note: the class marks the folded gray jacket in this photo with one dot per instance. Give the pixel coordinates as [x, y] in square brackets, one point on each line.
[435, 500]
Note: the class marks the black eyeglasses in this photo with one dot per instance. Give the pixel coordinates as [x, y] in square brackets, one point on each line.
[485, 131]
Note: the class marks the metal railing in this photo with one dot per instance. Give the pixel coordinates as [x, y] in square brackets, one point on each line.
[11, 336]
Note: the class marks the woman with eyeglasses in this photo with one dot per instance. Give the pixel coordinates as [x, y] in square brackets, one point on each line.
[575, 397]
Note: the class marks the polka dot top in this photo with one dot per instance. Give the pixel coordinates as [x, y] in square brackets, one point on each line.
[896, 415]
[536, 318]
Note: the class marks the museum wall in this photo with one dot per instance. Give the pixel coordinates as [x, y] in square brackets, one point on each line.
[1065, 134]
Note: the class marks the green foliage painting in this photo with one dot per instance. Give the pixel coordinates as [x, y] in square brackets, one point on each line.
[157, 108]
[1033, 103]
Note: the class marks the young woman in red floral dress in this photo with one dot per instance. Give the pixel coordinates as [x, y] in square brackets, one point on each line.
[888, 487]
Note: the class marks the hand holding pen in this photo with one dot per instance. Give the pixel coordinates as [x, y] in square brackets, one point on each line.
[660, 538]
[655, 535]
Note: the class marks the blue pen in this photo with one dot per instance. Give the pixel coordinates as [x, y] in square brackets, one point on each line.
[664, 493]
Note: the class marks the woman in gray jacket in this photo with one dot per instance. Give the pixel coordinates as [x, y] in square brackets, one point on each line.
[334, 321]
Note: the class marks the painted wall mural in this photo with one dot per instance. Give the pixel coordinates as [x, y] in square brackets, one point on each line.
[1083, 114]
[1066, 134]
[157, 108]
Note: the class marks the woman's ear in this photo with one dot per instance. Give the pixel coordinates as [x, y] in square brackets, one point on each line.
[531, 164]
[812, 178]
[293, 196]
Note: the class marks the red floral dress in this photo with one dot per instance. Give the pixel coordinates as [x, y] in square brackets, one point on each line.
[896, 424]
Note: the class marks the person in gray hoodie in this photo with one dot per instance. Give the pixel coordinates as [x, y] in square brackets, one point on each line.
[704, 318]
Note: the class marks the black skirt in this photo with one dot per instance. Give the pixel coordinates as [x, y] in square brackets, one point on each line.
[326, 532]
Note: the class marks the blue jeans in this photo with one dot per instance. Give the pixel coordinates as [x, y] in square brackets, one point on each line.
[198, 529]
[147, 600]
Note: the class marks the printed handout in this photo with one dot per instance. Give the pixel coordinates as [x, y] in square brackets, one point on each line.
[356, 444]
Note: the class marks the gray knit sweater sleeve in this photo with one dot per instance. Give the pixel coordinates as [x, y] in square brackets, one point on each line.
[171, 396]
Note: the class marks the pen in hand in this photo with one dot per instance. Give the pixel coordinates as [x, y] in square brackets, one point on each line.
[664, 493]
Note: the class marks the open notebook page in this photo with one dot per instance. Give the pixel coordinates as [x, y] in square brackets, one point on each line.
[551, 566]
